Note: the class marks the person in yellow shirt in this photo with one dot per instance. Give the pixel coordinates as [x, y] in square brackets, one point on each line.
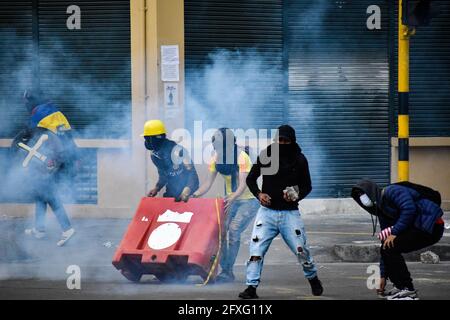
[234, 164]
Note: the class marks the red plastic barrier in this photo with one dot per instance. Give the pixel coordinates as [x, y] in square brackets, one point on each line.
[171, 240]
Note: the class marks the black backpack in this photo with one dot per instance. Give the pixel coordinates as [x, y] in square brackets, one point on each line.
[425, 192]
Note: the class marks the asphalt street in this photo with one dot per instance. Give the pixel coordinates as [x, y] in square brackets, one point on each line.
[342, 281]
[41, 271]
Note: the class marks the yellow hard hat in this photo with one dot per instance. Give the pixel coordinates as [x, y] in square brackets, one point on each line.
[153, 128]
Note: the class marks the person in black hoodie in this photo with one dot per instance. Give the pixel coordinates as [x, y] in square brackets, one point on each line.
[409, 221]
[282, 189]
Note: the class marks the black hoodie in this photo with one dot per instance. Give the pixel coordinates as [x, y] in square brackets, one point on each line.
[293, 171]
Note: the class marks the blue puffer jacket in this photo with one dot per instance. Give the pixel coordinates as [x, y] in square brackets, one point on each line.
[406, 208]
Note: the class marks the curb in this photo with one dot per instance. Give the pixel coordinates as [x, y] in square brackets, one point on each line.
[369, 251]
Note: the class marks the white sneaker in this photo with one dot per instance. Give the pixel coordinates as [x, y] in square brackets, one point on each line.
[35, 233]
[66, 235]
[387, 294]
[404, 295]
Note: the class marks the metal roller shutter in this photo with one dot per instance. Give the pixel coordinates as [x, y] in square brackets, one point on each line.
[87, 72]
[339, 92]
[16, 63]
[429, 75]
[252, 27]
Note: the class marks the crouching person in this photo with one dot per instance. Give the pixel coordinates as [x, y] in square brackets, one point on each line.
[410, 219]
[279, 213]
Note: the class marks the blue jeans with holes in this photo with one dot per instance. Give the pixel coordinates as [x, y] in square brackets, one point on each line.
[268, 224]
[238, 219]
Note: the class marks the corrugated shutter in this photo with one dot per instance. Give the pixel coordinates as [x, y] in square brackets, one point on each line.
[87, 72]
[252, 27]
[339, 92]
[16, 63]
[83, 189]
[429, 75]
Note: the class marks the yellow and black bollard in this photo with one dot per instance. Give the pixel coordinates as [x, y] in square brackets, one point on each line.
[403, 96]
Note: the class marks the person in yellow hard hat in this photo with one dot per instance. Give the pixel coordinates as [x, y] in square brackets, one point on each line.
[175, 168]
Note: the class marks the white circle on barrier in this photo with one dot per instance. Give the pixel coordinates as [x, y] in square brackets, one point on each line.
[164, 236]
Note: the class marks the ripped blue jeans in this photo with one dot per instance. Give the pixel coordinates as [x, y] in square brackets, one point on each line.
[268, 224]
[241, 214]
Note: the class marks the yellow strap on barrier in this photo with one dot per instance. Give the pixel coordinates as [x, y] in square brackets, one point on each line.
[214, 265]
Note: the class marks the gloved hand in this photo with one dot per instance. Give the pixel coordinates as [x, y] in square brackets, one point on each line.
[291, 193]
[184, 196]
[385, 233]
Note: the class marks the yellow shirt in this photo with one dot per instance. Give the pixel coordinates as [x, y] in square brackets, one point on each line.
[245, 164]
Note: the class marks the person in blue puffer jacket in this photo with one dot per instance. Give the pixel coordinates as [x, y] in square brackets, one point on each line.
[408, 222]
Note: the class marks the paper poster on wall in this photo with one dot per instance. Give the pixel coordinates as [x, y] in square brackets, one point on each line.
[170, 72]
[170, 55]
[170, 63]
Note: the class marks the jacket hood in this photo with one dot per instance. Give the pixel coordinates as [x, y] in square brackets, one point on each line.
[286, 131]
[372, 190]
[295, 148]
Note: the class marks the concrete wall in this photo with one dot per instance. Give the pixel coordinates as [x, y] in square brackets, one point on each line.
[429, 164]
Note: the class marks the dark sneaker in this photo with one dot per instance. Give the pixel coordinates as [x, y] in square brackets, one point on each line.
[225, 277]
[249, 293]
[316, 286]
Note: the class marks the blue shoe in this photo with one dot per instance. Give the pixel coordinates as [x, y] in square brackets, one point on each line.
[225, 277]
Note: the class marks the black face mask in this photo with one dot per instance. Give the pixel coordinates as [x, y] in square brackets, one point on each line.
[153, 143]
[287, 150]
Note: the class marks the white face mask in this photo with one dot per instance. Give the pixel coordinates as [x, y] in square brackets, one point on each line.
[365, 200]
